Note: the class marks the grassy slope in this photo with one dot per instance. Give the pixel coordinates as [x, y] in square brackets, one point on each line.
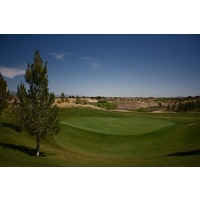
[79, 147]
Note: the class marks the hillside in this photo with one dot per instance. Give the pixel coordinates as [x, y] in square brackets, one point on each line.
[133, 103]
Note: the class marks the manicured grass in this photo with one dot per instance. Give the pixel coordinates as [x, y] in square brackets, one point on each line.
[90, 138]
[117, 126]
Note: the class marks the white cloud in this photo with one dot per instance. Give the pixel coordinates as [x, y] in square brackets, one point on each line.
[60, 56]
[11, 72]
[85, 57]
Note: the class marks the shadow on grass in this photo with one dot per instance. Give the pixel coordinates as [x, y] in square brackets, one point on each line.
[27, 150]
[10, 125]
[187, 153]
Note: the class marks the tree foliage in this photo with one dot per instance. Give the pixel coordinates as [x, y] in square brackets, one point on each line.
[110, 106]
[185, 106]
[35, 108]
[62, 97]
[78, 100]
[4, 94]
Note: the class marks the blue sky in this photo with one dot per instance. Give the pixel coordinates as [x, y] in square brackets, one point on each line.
[108, 65]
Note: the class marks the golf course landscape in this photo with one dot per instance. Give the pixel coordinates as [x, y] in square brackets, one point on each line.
[91, 137]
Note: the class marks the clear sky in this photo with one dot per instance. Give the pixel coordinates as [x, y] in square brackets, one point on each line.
[108, 65]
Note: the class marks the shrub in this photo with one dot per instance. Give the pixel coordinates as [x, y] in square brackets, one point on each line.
[67, 100]
[102, 101]
[84, 101]
[141, 109]
[59, 101]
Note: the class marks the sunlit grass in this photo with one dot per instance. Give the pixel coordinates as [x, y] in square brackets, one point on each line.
[90, 138]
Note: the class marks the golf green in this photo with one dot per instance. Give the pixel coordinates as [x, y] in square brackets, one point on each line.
[117, 126]
[90, 137]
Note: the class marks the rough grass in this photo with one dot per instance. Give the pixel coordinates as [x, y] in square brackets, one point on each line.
[89, 138]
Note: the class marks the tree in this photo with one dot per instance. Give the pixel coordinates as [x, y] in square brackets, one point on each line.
[35, 107]
[62, 97]
[168, 107]
[4, 94]
[173, 108]
[78, 100]
[180, 107]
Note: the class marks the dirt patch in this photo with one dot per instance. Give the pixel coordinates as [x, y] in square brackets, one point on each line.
[123, 110]
[73, 105]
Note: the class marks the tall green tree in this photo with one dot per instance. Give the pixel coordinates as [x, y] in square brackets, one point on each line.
[35, 108]
[62, 97]
[4, 93]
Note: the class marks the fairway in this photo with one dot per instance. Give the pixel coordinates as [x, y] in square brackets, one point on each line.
[89, 137]
[117, 126]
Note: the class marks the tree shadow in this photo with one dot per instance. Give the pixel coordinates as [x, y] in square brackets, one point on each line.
[186, 153]
[10, 125]
[27, 150]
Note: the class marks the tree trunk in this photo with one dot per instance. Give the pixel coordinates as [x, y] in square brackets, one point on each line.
[38, 145]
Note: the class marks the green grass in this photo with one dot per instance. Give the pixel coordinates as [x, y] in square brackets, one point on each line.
[90, 138]
[117, 126]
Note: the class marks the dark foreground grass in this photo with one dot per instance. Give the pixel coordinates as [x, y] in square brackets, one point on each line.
[90, 138]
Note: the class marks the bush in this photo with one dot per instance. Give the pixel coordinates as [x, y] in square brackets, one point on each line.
[59, 101]
[66, 100]
[84, 101]
[141, 109]
[78, 100]
[102, 101]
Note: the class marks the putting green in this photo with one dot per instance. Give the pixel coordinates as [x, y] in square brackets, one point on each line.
[117, 126]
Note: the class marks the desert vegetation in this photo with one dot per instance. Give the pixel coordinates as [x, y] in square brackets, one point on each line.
[137, 104]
